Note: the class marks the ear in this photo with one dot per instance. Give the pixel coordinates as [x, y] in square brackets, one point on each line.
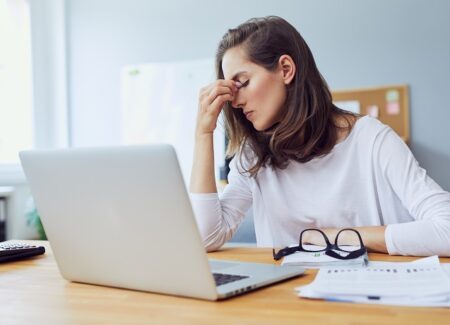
[287, 68]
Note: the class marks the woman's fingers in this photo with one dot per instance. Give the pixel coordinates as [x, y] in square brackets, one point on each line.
[218, 91]
[230, 84]
[211, 100]
[219, 101]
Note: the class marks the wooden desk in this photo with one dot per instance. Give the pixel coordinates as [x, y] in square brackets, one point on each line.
[33, 292]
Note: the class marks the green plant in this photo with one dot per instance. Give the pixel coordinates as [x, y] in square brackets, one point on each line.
[34, 219]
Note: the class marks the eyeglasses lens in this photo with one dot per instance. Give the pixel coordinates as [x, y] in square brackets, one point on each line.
[348, 241]
[317, 238]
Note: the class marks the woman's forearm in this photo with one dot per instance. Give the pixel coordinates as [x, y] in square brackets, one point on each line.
[373, 238]
[211, 100]
[203, 176]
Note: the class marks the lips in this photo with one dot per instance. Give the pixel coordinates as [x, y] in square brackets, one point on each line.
[248, 114]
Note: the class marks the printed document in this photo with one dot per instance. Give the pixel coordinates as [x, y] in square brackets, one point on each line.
[423, 282]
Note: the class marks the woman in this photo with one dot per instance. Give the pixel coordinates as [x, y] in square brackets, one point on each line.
[303, 162]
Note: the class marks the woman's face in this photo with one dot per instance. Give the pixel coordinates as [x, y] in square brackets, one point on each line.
[262, 93]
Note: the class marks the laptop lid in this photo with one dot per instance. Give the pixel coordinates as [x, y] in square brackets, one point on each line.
[120, 216]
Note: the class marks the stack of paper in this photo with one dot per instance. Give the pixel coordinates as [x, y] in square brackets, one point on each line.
[424, 282]
[320, 259]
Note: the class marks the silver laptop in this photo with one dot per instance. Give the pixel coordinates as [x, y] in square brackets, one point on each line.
[121, 217]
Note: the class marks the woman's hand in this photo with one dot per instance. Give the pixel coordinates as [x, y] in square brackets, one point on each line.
[211, 100]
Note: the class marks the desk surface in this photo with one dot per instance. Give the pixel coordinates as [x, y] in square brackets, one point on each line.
[33, 292]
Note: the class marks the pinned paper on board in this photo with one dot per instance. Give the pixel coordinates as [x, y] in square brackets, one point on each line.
[393, 108]
[349, 105]
[372, 111]
[392, 99]
[392, 95]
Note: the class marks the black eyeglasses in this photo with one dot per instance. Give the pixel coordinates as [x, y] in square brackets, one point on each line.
[334, 250]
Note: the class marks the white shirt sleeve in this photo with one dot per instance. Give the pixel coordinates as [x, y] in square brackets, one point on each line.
[424, 199]
[219, 218]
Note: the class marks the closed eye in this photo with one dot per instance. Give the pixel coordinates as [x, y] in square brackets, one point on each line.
[245, 84]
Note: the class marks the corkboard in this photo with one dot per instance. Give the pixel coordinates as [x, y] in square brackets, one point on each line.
[390, 104]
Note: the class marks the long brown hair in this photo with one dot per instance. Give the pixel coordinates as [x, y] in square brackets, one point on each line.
[307, 129]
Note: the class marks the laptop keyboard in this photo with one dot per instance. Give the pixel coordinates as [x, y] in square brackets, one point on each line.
[222, 279]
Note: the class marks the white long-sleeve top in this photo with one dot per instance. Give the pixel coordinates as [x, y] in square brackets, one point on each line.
[369, 179]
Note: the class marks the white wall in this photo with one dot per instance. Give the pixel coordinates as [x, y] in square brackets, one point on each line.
[356, 44]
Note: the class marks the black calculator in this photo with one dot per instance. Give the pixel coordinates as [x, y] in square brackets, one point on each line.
[12, 251]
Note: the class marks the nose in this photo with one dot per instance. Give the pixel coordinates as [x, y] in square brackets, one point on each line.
[238, 100]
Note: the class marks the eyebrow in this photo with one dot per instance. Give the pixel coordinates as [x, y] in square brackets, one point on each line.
[236, 75]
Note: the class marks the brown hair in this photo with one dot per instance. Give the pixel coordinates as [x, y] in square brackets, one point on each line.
[307, 129]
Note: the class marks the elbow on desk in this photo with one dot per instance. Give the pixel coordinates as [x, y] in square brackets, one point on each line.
[212, 246]
[215, 236]
[213, 241]
[442, 229]
[425, 238]
[210, 249]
